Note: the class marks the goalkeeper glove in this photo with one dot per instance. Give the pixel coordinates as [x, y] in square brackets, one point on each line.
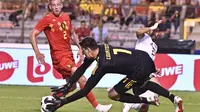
[54, 105]
[64, 89]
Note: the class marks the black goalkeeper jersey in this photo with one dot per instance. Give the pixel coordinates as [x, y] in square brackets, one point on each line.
[136, 65]
[117, 60]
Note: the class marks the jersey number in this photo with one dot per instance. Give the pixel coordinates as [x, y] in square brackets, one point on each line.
[116, 51]
[154, 49]
[65, 35]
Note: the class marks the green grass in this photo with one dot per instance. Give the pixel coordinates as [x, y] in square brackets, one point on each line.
[27, 99]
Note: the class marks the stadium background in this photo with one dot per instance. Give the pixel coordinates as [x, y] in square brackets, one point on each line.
[178, 56]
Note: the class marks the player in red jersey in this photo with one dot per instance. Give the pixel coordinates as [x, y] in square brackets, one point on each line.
[58, 30]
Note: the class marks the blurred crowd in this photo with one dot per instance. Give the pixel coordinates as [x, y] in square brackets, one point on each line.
[99, 12]
[15, 9]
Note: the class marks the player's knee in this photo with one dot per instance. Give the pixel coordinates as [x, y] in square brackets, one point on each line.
[144, 108]
[113, 95]
[155, 80]
[73, 69]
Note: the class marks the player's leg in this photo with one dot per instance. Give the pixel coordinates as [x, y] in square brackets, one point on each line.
[141, 107]
[148, 68]
[145, 107]
[66, 75]
[144, 74]
[82, 81]
[177, 101]
[67, 67]
[67, 64]
[118, 93]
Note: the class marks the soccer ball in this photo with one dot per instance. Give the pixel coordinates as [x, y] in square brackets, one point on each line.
[46, 100]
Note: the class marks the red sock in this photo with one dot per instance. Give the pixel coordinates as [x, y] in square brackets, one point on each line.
[58, 95]
[90, 97]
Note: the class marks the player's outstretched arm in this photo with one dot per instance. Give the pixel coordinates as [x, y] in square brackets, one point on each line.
[140, 32]
[75, 77]
[90, 84]
[80, 71]
[96, 76]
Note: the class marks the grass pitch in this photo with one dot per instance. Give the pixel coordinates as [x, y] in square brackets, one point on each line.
[27, 99]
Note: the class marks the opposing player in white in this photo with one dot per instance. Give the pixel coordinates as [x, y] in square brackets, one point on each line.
[145, 43]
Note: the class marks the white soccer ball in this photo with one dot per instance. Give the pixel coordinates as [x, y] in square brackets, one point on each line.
[46, 100]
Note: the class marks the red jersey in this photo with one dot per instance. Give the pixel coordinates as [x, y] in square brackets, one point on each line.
[57, 31]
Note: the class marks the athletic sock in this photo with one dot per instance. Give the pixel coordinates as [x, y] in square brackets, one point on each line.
[129, 98]
[90, 97]
[159, 90]
[171, 97]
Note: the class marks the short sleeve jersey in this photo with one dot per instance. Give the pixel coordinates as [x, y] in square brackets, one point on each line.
[146, 44]
[57, 31]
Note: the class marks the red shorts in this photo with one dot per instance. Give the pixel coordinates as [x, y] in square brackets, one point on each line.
[64, 66]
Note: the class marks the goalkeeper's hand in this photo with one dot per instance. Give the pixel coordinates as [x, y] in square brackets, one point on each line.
[53, 106]
[64, 89]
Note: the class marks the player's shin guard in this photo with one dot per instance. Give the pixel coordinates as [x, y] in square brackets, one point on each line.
[159, 90]
[90, 97]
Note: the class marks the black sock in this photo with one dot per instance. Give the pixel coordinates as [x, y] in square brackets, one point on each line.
[171, 97]
[159, 90]
[129, 98]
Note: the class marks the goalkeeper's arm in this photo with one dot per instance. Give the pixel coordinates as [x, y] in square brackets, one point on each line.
[75, 77]
[90, 84]
[80, 71]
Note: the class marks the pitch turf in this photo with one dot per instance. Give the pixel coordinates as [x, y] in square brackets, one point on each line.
[27, 99]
